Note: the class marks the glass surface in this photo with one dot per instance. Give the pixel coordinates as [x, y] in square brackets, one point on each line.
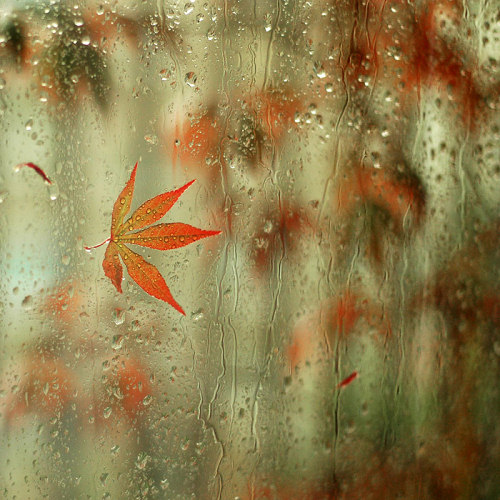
[340, 336]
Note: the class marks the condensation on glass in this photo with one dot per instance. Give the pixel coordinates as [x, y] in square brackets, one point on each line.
[341, 335]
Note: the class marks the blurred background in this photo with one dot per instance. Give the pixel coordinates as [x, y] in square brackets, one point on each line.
[341, 337]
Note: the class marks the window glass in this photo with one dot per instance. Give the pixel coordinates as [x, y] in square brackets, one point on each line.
[296, 295]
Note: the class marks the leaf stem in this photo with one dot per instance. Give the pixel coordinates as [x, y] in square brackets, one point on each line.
[97, 246]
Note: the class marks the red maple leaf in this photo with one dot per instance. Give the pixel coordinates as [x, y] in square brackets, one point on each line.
[160, 237]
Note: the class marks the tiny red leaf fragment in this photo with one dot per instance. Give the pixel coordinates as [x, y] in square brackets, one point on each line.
[159, 237]
[347, 380]
[37, 169]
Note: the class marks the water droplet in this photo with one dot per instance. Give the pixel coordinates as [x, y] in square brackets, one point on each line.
[115, 449]
[268, 22]
[319, 70]
[147, 400]
[190, 79]
[107, 412]
[27, 302]
[152, 139]
[496, 348]
[53, 191]
[199, 18]
[198, 315]
[329, 87]
[29, 124]
[85, 40]
[188, 8]
[3, 196]
[268, 227]
[117, 342]
[118, 316]
[142, 460]
[165, 75]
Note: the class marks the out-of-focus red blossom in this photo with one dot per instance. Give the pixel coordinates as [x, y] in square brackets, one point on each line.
[345, 313]
[63, 302]
[274, 110]
[46, 387]
[398, 194]
[418, 55]
[193, 140]
[463, 299]
[313, 336]
[445, 465]
[260, 119]
[280, 235]
[491, 307]
[388, 198]
[281, 492]
[125, 388]
[263, 122]
[110, 27]
[134, 385]
[462, 290]
[440, 62]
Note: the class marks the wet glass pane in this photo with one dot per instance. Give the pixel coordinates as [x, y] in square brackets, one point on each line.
[297, 291]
